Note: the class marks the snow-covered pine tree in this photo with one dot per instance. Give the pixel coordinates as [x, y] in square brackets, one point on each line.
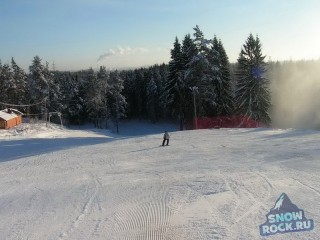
[66, 91]
[55, 96]
[162, 77]
[54, 103]
[117, 102]
[38, 85]
[252, 88]
[21, 82]
[202, 73]
[174, 89]
[223, 84]
[140, 92]
[129, 91]
[74, 89]
[188, 51]
[94, 97]
[103, 88]
[153, 98]
[7, 84]
[136, 92]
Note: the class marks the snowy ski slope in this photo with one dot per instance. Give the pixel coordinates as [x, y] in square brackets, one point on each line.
[208, 184]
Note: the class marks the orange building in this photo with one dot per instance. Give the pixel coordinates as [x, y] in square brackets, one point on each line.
[10, 118]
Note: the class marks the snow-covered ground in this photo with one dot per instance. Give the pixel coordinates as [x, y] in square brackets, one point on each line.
[58, 183]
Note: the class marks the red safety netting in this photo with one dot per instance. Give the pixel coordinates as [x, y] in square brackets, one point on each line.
[226, 122]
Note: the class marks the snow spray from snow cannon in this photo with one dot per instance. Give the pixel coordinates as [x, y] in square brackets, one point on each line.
[285, 217]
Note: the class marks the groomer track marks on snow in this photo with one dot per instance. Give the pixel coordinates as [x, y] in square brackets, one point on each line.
[88, 185]
[90, 197]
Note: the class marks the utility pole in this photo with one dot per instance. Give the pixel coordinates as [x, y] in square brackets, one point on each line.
[105, 102]
[46, 114]
[47, 99]
[194, 91]
[117, 112]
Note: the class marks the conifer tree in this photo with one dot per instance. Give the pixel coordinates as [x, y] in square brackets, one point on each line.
[54, 103]
[20, 78]
[7, 84]
[67, 89]
[94, 97]
[117, 101]
[252, 89]
[38, 84]
[140, 93]
[161, 76]
[188, 52]
[202, 73]
[153, 98]
[174, 87]
[102, 89]
[223, 83]
[74, 90]
[129, 77]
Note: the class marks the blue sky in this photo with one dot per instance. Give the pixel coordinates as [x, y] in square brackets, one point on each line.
[78, 34]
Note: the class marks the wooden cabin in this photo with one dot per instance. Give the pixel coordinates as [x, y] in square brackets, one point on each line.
[9, 118]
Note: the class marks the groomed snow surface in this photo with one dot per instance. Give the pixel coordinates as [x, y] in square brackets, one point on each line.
[60, 184]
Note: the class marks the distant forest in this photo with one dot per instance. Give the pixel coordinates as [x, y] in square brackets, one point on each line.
[198, 81]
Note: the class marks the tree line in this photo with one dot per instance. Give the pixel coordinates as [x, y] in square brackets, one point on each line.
[198, 81]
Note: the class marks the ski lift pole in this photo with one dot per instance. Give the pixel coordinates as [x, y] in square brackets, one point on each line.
[59, 114]
[46, 114]
[194, 89]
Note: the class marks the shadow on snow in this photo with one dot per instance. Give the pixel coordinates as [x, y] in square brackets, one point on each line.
[15, 149]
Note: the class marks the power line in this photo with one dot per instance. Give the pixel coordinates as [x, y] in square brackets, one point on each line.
[23, 105]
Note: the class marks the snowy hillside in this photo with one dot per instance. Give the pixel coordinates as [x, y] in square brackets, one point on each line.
[58, 183]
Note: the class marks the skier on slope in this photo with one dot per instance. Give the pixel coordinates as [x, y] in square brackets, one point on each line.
[166, 137]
